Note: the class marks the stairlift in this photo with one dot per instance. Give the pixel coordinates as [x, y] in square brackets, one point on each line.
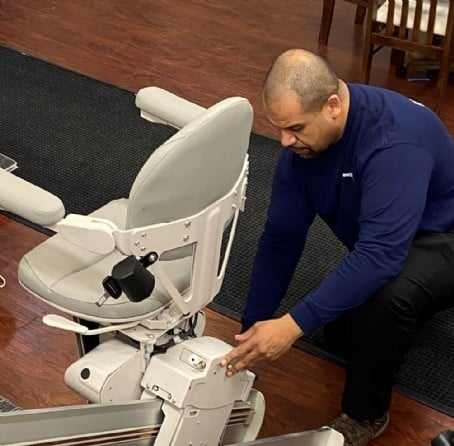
[134, 277]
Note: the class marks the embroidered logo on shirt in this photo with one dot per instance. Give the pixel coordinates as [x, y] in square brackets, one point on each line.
[348, 175]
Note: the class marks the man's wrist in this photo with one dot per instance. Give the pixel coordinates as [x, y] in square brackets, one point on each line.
[294, 329]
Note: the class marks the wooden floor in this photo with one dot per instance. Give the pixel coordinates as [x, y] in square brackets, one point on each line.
[204, 51]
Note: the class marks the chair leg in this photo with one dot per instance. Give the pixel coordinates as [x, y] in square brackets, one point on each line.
[327, 18]
[360, 14]
[367, 62]
[442, 83]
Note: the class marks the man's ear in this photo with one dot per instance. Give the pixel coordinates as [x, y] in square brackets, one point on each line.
[333, 105]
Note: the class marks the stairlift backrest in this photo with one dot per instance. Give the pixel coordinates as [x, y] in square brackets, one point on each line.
[194, 168]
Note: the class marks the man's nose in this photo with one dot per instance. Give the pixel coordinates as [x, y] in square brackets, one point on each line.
[287, 138]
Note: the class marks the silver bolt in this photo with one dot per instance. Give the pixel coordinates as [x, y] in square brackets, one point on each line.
[144, 234]
[185, 238]
[187, 224]
[136, 243]
[143, 248]
[201, 365]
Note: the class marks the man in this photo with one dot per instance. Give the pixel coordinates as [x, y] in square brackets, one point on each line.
[378, 168]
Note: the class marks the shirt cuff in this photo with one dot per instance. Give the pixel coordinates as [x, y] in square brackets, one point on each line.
[305, 317]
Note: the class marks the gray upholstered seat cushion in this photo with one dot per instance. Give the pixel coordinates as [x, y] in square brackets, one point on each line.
[70, 278]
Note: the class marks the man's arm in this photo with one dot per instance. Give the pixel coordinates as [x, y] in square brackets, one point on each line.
[279, 249]
[280, 245]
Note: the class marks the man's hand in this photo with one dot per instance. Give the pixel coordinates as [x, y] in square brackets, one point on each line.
[264, 340]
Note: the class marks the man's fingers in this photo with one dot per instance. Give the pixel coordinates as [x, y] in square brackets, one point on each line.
[245, 335]
[237, 360]
[241, 356]
[230, 357]
[241, 362]
[235, 367]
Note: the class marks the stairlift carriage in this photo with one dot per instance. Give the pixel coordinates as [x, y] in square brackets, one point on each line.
[134, 276]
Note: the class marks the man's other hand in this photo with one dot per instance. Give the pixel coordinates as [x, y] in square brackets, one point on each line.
[266, 340]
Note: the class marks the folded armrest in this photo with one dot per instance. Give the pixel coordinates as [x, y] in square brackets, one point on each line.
[158, 105]
[89, 233]
[29, 201]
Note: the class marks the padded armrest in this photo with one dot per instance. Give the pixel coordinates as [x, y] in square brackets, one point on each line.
[29, 201]
[158, 105]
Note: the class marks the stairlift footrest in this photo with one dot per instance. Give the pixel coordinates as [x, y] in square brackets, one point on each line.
[109, 372]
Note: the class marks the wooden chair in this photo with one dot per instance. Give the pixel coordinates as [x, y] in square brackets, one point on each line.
[423, 27]
[327, 17]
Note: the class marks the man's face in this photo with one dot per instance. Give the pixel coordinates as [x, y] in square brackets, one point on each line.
[307, 134]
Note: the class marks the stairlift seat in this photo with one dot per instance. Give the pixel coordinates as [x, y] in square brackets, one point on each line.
[181, 178]
[182, 201]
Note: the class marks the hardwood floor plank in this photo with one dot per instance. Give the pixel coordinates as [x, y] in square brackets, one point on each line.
[38, 356]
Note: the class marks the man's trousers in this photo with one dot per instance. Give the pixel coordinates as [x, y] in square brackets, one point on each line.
[374, 337]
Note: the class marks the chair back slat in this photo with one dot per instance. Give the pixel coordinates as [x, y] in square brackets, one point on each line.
[390, 18]
[403, 20]
[415, 35]
[431, 21]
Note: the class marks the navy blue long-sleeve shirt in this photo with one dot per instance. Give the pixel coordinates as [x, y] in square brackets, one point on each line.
[389, 177]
